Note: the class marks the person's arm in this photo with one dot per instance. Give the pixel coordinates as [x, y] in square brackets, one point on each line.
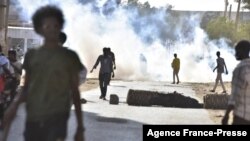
[16, 68]
[172, 64]
[6, 70]
[214, 68]
[225, 67]
[226, 116]
[229, 108]
[114, 65]
[113, 73]
[12, 109]
[78, 110]
[96, 64]
[231, 101]
[20, 97]
[114, 61]
[83, 75]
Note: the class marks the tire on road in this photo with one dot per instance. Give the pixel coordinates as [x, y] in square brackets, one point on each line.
[114, 99]
[215, 101]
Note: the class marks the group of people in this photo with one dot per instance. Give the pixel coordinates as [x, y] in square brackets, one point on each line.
[10, 73]
[239, 100]
[52, 80]
[221, 68]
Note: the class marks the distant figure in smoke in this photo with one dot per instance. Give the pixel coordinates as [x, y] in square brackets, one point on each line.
[220, 69]
[176, 68]
[239, 100]
[143, 64]
[112, 55]
[51, 82]
[105, 71]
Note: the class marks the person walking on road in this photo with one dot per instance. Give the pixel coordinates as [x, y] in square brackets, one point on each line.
[176, 68]
[220, 69]
[105, 71]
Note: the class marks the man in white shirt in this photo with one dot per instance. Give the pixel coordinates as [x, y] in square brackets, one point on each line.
[239, 101]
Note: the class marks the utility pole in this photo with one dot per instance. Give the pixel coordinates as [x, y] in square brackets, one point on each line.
[226, 5]
[230, 11]
[4, 8]
[237, 14]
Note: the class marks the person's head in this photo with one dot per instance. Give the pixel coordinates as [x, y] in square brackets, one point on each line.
[48, 21]
[62, 38]
[12, 55]
[108, 49]
[242, 49]
[218, 54]
[175, 55]
[105, 51]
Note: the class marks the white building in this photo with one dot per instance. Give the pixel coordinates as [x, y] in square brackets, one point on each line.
[22, 38]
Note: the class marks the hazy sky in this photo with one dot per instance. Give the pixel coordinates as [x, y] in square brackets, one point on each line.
[196, 5]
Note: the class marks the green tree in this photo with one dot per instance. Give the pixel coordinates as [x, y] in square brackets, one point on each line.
[246, 4]
[222, 28]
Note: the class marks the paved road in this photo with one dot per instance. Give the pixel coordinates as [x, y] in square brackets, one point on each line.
[105, 122]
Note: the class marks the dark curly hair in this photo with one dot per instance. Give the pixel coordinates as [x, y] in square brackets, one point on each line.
[45, 12]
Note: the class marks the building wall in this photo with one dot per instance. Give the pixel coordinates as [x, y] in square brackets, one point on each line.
[22, 38]
[3, 22]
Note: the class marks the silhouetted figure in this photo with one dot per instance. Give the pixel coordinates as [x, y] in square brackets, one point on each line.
[239, 100]
[176, 68]
[112, 55]
[220, 69]
[83, 72]
[105, 71]
[51, 81]
[143, 64]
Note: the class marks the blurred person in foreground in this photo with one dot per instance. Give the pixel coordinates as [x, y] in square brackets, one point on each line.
[239, 101]
[51, 81]
[83, 72]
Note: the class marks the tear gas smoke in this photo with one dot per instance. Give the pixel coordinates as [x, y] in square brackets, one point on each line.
[143, 42]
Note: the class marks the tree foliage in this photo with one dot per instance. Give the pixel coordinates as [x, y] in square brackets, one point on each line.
[246, 3]
[221, 27]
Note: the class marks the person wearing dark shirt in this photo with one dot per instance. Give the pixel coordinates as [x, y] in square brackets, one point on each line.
[105, 71]
[51, 81]
[220, 69]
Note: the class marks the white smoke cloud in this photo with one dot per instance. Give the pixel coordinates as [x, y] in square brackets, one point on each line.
[89, 30]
